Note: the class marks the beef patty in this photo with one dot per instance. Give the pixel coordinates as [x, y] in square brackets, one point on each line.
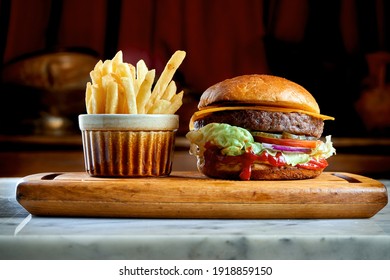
[274, 122]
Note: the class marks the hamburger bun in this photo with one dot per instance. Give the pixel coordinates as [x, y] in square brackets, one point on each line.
[260, 172]
[264, 90]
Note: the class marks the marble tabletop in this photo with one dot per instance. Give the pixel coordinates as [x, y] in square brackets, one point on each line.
[23, 236]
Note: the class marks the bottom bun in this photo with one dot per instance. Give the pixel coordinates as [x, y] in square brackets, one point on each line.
[220, 170]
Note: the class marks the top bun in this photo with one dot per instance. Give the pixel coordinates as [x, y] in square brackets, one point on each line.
[264, 90]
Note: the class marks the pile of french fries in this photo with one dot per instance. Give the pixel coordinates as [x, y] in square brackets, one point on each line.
[122, 88]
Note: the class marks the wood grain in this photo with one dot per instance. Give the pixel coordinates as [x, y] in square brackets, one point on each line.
[191, 195]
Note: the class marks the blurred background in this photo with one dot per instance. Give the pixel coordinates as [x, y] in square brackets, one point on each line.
[338, 50]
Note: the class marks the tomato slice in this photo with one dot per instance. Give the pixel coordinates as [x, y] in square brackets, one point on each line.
[288, 142]
[314, 164]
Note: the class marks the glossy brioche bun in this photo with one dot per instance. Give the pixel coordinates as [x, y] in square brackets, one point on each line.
[258, 171]
[264, 90]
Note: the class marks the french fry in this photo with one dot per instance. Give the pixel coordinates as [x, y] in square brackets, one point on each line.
[118, 58]
[88, 94]
[98, 99]
[111, 98]
[122, 97]
[132, 76]
[128, 86]
[142, 70]
[98, 66]
[122, 107]
[145, 91]
[95, 74]
[170, 91]
[176, 102]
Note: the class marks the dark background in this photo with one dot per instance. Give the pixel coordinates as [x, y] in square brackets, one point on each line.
[322, 45]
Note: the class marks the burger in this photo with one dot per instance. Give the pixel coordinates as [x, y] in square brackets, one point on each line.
[259, 127]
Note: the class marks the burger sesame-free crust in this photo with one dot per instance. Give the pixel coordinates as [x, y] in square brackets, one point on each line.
[266, 121]
[265, 90]
[258, 171]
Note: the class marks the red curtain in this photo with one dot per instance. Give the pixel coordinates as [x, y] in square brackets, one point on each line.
[223, 38]
[318, 44]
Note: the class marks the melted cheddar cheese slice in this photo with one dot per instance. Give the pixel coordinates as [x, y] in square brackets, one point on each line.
[209, 110]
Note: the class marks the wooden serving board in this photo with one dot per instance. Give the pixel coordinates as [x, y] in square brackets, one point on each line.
[191, 195]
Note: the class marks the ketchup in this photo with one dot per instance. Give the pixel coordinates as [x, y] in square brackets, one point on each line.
[213, 158]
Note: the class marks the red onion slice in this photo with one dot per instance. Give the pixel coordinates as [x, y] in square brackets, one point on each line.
[287, 148]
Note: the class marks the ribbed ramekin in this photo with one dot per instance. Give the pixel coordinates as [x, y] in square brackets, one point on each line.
[125, 145]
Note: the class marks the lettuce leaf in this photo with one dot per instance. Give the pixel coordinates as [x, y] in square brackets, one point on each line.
[232, 140]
